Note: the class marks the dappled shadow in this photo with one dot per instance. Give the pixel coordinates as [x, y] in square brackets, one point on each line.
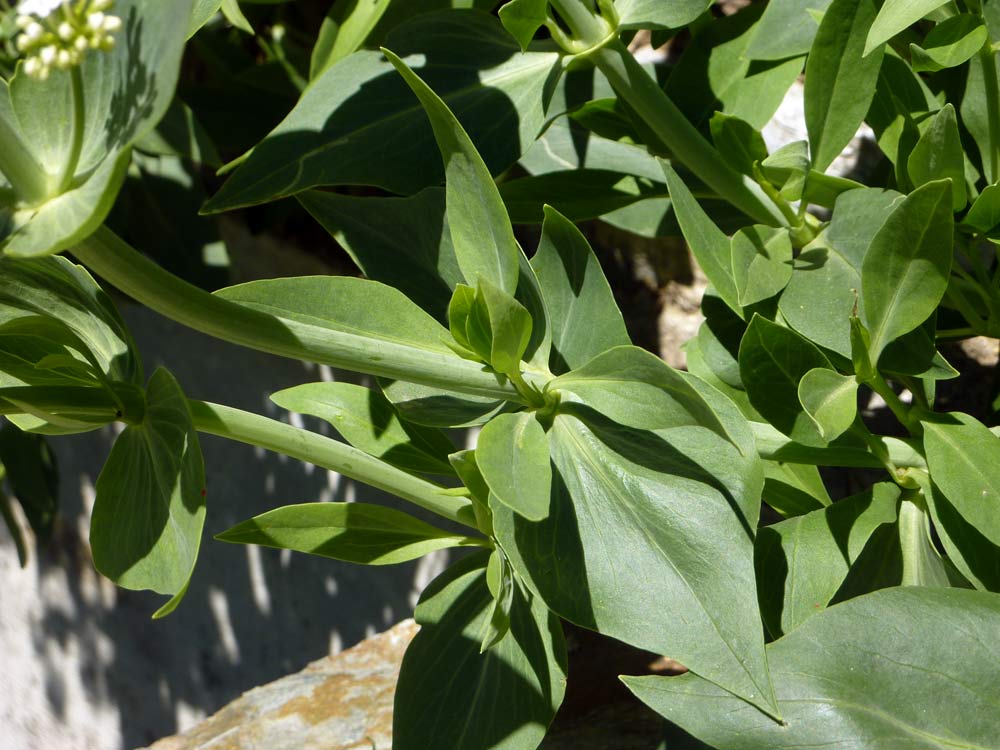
[134, 97]
[251, 615]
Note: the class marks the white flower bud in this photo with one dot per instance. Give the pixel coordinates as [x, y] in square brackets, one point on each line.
[64, 59]
[112, 24]
[40, 8]
[66, 31]
[96, 21]
[32, 65]
[80, 44]
[34, 31]
[48, 55]
[99, 5]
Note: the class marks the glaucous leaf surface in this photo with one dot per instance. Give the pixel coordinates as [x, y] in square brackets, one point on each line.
[437, 407]
[366, 420]
[522, 18]
[583, 315]
[512, 453]
[651, 501]
[773, 361]
[353, 532]
[830, 399]
[963, 460]
[906, 269]
[654, 14]
[480, 228]
[150, 498]
[840, 80]
[344, 30]
[894, 16]
[127, 90]
[762, 262]
[903, 668]
[359, 124]
[786, 29]
[451, 695]
[801, 562]
[793, 489]
[938, 155]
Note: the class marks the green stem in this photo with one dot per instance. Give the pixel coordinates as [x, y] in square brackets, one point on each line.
[898, 408]
[124, 267]
[77, 130]
[992, 86]
[685, 144]
[586, 26]
[774, 446]
[253, 429]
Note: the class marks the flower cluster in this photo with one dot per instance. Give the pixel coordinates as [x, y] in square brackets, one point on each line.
[55, 34]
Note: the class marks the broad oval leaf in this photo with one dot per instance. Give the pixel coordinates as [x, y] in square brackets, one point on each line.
[830, 399]
[513, 455]
[451, 695]
[802, 562]
[522, 18]
[353, 532]
[906, 270]
[904, 668]
[367, 420]
[150, 505]
[656, 14]
[360, 106]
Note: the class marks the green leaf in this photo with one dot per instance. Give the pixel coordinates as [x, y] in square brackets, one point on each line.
[63, 293]
[583, 314]
[906, 269]
[345, 28]
[963, 460]
[738, 142]
[353, 532]
[824, 289]
[984, 215]
[402, 242]
[513, 455]
[135, 82]
[360, 106]
[451, 695]
[949, 44]
[793, 489]
[789, 169]
[480, 228]
[231, 10]
[786, 29]
[202, 13]
[437, 407]
[802, 562]
[654, 14]
[711, 248]
[976, 115]
[150, 504]
[522, 18]
[762, 262]
[671, 498]
[831, 399]
[367, 420]
[900, 668]
[938, 155]
[894, 16]
[508, 326]
[840, 82]
[500, 581]
[33, 476]
[773, 360]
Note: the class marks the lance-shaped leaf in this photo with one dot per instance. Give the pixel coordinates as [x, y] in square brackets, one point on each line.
[583, 315]
[125, 93]
[504, 326]
[894, 16]
[367, 420]
[802, 562]
[150, 506]
[344, 30]
[787, 28]
[773, 361]
[359, 124]
[938, 155]
[949, 44]
[900, 668]
[353, 532]
[513, 456]
[840, 83]
[709, 245]
[762, 262]
[906, 269]
[480, 228]
[451, 695]
[964, 461]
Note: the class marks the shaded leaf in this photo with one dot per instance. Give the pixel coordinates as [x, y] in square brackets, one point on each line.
[513, 455]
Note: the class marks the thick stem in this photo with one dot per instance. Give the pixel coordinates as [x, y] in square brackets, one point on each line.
[124, 267]
[78, 125]
[587, 27]
[253, 429]
[681, 138]
[992, 86]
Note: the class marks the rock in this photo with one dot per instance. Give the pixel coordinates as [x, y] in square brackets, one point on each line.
[341, 702]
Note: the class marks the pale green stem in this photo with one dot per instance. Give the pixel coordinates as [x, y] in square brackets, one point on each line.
[774, 446]
[253, 429]
[78, 125]
[24, 173]
[898, 408]
[124, 267]
[586, 26]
